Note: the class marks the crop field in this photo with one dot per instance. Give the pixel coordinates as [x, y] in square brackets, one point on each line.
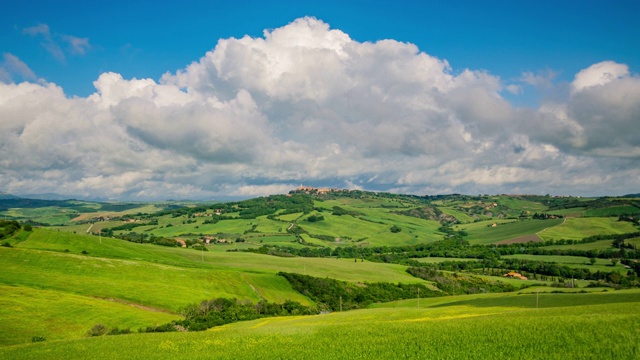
[484, 233]
[579, 228]
[565, 326]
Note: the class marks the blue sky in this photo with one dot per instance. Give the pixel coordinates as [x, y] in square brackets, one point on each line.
[149, 38]
[503, 91]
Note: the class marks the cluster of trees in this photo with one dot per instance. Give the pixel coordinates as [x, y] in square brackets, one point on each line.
[220, 311]
[545, 216]
[535, 268]
[315, 218]
[335, 295]
[127, 227]
[8, 228]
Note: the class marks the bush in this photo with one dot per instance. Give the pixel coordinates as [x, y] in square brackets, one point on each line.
[97, 330]
[395, 229]
[6, 244]
[116, 331]
[315, 218]
[38, 339]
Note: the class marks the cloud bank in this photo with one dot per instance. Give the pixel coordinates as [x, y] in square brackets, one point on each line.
[307, 104]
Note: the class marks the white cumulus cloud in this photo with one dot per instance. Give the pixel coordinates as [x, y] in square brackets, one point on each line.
[305, 103]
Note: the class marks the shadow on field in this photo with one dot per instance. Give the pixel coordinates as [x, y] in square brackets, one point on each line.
[549, 300]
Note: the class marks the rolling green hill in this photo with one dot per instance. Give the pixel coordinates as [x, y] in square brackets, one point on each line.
[58, 283]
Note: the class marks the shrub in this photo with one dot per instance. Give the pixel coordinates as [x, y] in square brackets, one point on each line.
[97, 330]
[38, 339]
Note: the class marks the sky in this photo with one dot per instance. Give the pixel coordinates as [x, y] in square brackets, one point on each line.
[154, 100]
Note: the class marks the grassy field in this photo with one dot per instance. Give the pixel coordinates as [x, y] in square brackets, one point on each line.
[497, 326]
[579, 228]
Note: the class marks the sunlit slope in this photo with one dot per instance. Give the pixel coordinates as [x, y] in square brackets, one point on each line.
[168, 277]
[485, 233]
[579, 326]
[579, 228]
[54, 315]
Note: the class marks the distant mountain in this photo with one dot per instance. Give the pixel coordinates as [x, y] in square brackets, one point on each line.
[46, 196]
[7, 196]
[632, 196]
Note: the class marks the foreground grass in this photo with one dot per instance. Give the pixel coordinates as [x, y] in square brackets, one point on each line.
[571, 326]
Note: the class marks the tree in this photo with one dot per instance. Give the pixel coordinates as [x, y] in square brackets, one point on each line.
[395, 229]
[592, 260]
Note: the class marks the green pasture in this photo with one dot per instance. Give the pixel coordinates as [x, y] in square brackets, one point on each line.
[579, 228]
[56, 315]
[565, 326]
[484, 233]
